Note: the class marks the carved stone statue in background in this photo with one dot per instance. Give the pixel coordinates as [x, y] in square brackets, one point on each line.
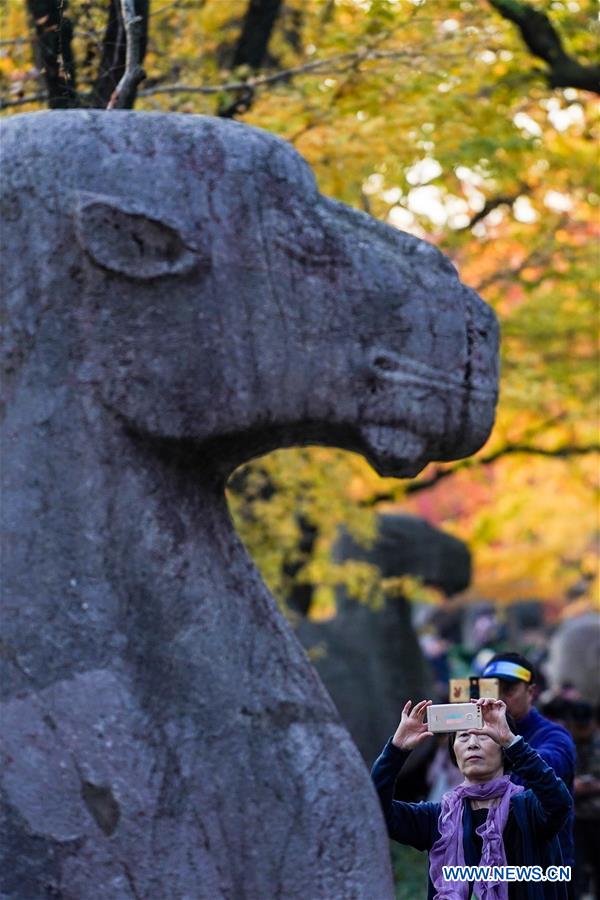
[574, 655]
[180, 298]
[364, 653]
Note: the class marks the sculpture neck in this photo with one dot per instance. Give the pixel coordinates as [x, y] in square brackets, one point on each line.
[130, 532]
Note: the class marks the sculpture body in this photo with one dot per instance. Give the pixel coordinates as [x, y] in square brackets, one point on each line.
[180, 298]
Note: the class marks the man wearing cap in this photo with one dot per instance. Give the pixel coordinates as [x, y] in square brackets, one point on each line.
[516, 676]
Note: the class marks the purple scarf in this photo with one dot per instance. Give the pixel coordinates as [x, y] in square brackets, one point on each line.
[448, 849]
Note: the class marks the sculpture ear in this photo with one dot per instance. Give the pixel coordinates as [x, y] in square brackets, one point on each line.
[123, 238]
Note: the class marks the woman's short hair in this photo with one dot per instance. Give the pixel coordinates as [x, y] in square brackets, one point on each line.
[452, 737]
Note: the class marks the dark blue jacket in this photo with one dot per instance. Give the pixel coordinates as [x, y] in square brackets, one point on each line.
[555, 746]
[539, 813]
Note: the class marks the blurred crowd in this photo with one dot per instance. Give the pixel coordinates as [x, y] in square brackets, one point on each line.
[430, 774]
[582, 720]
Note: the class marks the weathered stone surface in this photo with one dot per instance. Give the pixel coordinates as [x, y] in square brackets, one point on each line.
[574, 656]
[369, 659]
[180, 298]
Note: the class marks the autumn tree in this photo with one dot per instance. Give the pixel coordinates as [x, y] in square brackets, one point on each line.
[467, 123]
[111, 64]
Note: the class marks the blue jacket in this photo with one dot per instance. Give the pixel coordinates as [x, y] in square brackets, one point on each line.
[555, 746]
[539, 812]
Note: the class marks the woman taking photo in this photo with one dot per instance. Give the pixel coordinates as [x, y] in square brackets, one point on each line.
[485, 821]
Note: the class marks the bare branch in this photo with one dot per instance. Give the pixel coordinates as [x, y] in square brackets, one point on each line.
[11, 42]
[114, 51]
[538, 256]
[566, 451]
[542, 39]
[23, 101]
[488, 207]
[174, 3]
[123, 97]
[334, 65]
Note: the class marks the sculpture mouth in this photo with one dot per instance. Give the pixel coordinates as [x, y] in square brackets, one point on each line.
[394, 451]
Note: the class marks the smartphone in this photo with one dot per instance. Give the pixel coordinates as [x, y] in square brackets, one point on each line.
[453, 717]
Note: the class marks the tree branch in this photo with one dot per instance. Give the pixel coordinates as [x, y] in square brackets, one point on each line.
[251, 50]
[257, 29]
[123, 96]
[567, 451]
[538, 256]
[114, 50]
[564, 452]
[488, 207]
[23, 101]
[332, 66]
[15, 42]
[54, 56]
[543, 41]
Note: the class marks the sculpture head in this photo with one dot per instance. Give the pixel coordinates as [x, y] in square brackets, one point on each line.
[186, 272]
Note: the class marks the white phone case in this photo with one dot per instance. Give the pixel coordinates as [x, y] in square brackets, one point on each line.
[453, 717]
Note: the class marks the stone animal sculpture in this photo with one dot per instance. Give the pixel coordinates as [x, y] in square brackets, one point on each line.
[180, 298]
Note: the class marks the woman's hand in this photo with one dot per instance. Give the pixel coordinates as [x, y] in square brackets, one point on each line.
[493, 713]
[411, 729]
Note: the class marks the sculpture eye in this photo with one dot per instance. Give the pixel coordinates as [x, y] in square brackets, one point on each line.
[132, 242]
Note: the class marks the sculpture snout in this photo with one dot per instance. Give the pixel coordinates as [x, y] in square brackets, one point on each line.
[435, 398]
[401, 370]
